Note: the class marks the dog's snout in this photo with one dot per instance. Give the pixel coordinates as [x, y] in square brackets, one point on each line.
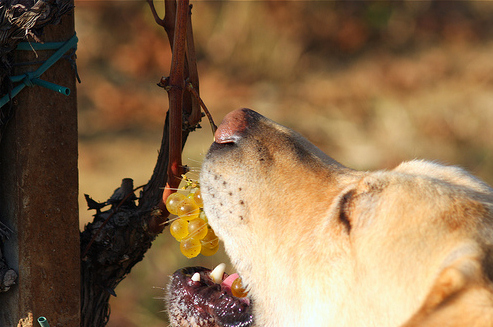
[234, 125]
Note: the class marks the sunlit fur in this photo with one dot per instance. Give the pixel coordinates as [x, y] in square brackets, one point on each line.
[319, 244]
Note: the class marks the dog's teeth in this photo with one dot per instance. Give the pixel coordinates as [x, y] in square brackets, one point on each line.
[218, 272]
[196, 277]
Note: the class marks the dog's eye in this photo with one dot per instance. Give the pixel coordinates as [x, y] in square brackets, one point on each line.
[345, 210]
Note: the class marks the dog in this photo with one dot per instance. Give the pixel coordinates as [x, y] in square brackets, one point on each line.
[320, 244]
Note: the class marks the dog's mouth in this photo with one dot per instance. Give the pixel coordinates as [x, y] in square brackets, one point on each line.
[201, 297]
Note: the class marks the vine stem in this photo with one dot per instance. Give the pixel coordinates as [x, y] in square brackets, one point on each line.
[196, 95]
[183, 102]
[175, 23]
[176, 89]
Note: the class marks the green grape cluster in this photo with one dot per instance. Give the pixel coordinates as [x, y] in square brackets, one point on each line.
[190, 228]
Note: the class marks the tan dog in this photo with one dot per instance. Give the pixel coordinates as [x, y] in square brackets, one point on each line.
[319, 244]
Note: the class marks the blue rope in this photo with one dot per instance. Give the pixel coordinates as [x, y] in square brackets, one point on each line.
[32, 78]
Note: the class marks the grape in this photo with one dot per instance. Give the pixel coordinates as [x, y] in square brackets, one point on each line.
[192, 229]
[210, 240]
[203, 216]
[173, 201]
[197, 198]
[179, 229]
[190, 247]
[188, 209]
[237, 288]
[210, 243]
[197, 228]
[208, 251]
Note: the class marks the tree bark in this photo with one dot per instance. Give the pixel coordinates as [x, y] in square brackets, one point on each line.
[39, 194]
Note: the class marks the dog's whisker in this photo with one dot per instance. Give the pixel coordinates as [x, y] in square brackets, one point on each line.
[195, 160]
[172, 188]
[172, 219]
[193, 167]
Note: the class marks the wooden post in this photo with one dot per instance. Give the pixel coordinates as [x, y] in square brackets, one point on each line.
[38, 195]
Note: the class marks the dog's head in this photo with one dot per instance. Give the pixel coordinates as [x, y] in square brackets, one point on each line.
[320, 244]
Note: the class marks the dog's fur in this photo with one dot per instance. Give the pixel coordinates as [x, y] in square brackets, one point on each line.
[319, 244]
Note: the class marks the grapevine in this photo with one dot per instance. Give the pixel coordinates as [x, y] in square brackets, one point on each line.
[190, 227]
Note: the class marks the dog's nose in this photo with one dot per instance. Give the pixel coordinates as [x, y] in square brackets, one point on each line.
[234, 125]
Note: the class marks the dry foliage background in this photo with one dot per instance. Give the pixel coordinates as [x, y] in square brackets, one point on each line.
[371, 83]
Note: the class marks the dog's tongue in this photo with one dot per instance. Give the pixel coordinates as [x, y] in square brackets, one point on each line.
[226, 285]
[228, 281]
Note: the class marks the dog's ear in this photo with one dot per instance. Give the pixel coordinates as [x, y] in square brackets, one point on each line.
[461, 296]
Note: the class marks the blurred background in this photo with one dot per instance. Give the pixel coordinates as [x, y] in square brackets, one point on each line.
[372, 83]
